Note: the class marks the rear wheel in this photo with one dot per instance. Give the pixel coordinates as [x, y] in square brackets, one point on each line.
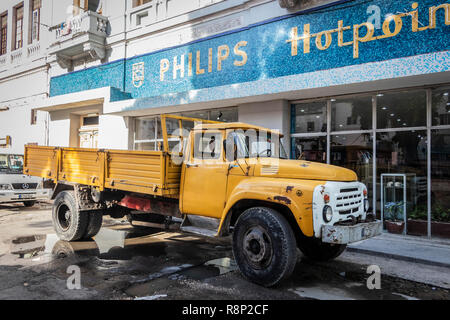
[264, 246]
[69, 223]
[29, 203]
[94, 224]
[320, 251]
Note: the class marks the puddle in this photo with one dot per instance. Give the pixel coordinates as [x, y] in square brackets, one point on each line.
[155, 297]
[324, 293]
[209, 269]
[109, 244]
[404, 296]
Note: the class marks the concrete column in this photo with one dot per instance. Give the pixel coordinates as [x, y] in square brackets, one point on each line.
[270, 114]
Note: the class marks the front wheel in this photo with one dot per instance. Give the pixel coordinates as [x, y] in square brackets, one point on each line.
[320, 251]
[29, 204]
[264, 246]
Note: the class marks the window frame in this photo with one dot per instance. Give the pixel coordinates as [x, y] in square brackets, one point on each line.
[33, 24]
[4, 40]
[15, 25]
[138, 3]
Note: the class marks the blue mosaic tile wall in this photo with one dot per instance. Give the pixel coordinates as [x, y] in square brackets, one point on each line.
[267, 51]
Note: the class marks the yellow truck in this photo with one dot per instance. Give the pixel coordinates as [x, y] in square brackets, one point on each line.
[213, 179]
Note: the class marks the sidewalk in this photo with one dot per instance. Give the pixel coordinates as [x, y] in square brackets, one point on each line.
[409, 248]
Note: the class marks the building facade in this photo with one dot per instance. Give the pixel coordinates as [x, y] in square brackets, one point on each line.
[360, 84]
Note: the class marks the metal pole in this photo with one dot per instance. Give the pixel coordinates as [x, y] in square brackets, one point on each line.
[382, 198]
[404, 203]
[429, 102]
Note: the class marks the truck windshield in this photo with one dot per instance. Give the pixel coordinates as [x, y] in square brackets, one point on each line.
[261, 144]
[10, 163]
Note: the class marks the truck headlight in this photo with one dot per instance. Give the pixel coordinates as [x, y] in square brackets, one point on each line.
[6, 186]
[327, 213]
[366, 205]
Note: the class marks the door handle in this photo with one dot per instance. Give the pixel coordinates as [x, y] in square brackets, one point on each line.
[189, 165]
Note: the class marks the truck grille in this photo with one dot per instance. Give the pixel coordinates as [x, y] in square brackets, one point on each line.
[24, 186]
[349, 200]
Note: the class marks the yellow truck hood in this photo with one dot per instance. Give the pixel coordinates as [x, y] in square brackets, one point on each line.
[295, 169]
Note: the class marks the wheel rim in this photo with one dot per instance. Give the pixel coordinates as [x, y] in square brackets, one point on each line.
[257, 247]
[64, 217]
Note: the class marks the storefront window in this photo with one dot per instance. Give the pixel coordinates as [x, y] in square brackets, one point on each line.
[440, 182]
[224, 115]
[147, 134]
[148, 130]
[310, 117]
[351, 114]
[403, 153]
[441, 107]
[402, 109]
[310, 149]
[355, 152]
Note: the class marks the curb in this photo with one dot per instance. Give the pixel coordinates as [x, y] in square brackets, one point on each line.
[398, 257]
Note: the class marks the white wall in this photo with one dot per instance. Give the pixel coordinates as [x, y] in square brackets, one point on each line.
[17, 124]
[113, 132]
[271, 114]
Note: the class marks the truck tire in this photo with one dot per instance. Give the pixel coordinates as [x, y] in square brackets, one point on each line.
[317, 250]
[29, 204]
[69, 223]
[264, 246]
[94, 224]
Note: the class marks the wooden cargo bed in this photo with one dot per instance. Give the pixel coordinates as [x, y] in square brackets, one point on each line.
[148, 172]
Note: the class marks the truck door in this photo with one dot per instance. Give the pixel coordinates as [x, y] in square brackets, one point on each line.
[205, 176]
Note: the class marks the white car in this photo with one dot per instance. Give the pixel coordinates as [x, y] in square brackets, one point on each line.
[18, 187]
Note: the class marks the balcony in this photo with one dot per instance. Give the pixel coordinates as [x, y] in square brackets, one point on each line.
[80, 37]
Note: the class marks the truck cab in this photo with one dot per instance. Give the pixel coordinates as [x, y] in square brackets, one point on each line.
[16, 186]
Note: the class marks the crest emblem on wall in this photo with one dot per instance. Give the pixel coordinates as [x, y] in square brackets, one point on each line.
[138, 74]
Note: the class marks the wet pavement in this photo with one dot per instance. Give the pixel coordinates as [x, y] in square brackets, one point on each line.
[122, 262]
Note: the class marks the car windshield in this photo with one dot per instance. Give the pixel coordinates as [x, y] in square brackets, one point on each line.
[11, 163]
[260, 144]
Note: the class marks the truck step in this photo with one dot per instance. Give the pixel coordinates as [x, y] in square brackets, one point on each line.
[204, 226]
[199, 231]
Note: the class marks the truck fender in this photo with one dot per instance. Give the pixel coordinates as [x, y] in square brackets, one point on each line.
[269, 194]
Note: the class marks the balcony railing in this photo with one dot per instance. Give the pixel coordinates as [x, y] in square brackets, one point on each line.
[86, 22]
[79, 37]
[16, 56]
[33, 49]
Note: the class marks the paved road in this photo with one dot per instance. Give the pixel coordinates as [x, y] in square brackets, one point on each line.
[126, 263]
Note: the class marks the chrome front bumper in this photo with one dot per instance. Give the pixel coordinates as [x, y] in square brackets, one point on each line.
[24, 195]
[349, 234]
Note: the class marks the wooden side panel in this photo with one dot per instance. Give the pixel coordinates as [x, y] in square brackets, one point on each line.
[41, 162]
[173, 176]
[136, 171]
[81, 166]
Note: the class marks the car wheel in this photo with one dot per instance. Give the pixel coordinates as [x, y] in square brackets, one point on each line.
[29, 204]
